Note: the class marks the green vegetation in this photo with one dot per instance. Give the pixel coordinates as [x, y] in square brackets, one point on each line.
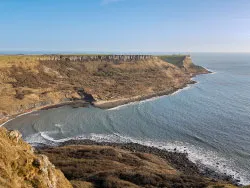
[173, 59]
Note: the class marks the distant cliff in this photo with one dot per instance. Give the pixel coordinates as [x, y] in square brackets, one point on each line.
[33, 82]
[185, 63]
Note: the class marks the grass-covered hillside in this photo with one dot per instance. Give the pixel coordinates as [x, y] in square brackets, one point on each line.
[29, 82]
[174, 59]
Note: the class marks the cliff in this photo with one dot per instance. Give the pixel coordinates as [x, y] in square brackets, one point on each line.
[185, 63]
[21, 168]
[32, 82]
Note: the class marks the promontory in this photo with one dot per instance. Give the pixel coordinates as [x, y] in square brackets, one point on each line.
[29, 82]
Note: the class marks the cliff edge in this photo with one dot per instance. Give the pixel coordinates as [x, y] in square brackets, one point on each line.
[21, 168]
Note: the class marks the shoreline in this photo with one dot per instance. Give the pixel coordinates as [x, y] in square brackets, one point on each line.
[181, 158]
[177, 159]
[104, 104]
[119, 102]
[98, 104]
[74, 104]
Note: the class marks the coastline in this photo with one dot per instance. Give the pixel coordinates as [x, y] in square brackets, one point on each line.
[119, 102]
[183, 163]
[80, 98]
[98, 104]
[74, 104]
[178, 160]
[109, 104]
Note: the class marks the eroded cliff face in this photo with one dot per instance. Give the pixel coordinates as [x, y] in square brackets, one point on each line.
[21, 168]
[185, 63]
[86, 58]
[31, 82]
[192, 68]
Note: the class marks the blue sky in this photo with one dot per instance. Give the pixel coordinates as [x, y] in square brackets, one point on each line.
[125, 25]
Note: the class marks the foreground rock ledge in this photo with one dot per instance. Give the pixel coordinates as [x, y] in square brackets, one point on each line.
[21, 168]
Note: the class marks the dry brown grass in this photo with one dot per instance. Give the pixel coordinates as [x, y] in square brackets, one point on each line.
[17, 167]
[27, 83]
[109, 167]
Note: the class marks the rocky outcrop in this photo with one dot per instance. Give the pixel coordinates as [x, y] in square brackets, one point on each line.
[21, 168]
[185, 63]
[192, 68]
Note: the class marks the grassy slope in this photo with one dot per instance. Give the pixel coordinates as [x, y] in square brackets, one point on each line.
[106, 167]
[27, 83]
[20, 167]
[173, 59]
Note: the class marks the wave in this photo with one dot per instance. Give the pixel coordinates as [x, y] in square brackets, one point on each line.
[180, 90]
[197, 155]
[123, 106]
[23, 114]
[210, 70]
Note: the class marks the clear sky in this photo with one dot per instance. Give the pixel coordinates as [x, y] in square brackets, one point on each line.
[125, 25]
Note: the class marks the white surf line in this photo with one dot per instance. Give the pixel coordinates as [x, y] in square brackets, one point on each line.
[123, 105]
[6, 122]
[36, 110]
[153, 98]
[17, 117]
[211, 70]
[143, 101]
[185, 88]
[137, 102]
[195, 154]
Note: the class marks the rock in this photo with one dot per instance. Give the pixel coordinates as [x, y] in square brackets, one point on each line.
[15, 135]
[36, 163]
[21, 168]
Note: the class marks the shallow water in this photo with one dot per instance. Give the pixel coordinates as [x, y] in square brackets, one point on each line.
[210, 120]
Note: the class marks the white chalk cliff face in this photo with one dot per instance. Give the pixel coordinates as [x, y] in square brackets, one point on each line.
[21, 168]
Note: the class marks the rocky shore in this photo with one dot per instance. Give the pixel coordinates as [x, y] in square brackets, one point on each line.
[88, 164]
[72, 151]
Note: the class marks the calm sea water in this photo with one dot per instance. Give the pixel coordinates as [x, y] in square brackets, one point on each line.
[210, 120]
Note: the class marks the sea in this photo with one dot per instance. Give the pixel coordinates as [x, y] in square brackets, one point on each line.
[209, 120]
